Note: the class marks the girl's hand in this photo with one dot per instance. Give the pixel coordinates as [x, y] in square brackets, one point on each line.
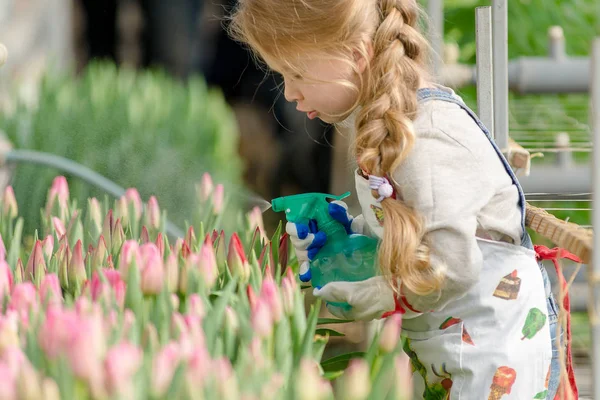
[308, 240]
[370, 299]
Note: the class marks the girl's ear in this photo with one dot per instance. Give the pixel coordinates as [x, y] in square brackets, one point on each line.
[362, 60]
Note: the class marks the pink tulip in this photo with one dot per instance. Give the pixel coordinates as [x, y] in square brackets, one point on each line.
[122, 210]
[288, 288]
[28, 383]
[134, 199]
[227, 386]
[262, 319]
[8, 384]
[144, 235]
[190, 237]
[129, 253]
[310, 383]
[118, 236]
[404, 388]
[218, 199]
[59, 192]
[87, 349]
[356, 382]
[9, 203]
[205, 188]
[220, 251]
[208, 263]
[48, 247]
[6, 279]
[236, 259]
[255, 221]
[95, 213]
[101, 292]
[100, 254]
[36, 266]
[255, 349]
[196, 306]
[19, 272]
[50, 290]
[24, 300]
[152, 269]
[57, 331]
[153, 213]
[163, 368]
[9, 331]
[199, 365]
[270, 294]
[50, 389]
[2, 249]
[76, 267]
[160, 243]
[172, 272]
[122, 362]
[390, 333]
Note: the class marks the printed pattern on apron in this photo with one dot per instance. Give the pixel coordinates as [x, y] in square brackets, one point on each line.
[495, 342]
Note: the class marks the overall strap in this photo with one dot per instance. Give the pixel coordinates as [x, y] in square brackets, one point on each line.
[428, 94]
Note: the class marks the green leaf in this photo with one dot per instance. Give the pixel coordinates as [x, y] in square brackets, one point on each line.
[327, 321]
[331, 375]
[309, 334]
[541, 395]
[330, 332]
[15, 244]
[340, 362]
[214, 319]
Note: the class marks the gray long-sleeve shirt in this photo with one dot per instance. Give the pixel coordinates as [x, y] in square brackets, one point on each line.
[455, 180]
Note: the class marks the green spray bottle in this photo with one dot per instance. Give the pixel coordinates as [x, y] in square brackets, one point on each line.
[344, 257]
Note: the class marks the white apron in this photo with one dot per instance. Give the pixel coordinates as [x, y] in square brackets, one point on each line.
[493, 343]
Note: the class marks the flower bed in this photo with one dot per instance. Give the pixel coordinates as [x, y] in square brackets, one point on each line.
[101, 304]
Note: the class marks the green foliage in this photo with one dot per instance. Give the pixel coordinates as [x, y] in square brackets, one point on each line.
[138, 129]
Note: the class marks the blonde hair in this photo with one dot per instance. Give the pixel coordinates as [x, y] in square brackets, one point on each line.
[282, 32]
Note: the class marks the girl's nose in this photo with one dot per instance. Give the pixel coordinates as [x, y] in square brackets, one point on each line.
[290, 92]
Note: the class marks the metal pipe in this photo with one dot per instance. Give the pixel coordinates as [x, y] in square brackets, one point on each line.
[556, 43]
[78, 170]
[557, 180]
[435, 12]
[595, 270]
[500, 64]
[564, 158]
[485, 72]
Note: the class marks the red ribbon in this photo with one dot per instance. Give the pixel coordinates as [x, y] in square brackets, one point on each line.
[544, 253]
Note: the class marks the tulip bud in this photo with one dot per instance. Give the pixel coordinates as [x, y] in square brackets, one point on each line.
[76, 268]
[172, 272]
[50, 389]
[236, 259]
[218, 199]
[58, 195]
[129, 253]
[100, 254]
[8, 388]
[160, 243]
[231, 319]
[118, 237]
[196, 306]
[288, 288]
[2, 249]
[190, 238]
[255, 221]
[152, 269]
[6, 280]
[262, 319]
[9, 203]
[9, 331]
[121, 364]
[270, 294]
[390, 333]
[153, 213]
[163, 368]
[28, 383]
[205, 188]
[36, 266]
[50, 290]
[24, 300]
[356, 383]
[220, 251]
[95, 213]
[19, 272]
[309, 384]
[403, 381]
[122, 210]
[48, 247]
[134, 200]
[208, 264]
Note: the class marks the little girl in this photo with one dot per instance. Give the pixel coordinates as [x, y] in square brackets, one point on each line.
[455, 258]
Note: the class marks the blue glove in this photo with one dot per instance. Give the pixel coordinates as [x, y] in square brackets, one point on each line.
[308, 240]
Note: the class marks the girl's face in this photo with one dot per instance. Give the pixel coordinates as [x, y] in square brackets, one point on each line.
[326, 89]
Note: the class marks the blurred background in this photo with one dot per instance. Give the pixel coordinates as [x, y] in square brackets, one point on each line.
[153, 93]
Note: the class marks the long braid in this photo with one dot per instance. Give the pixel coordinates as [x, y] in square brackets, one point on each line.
[385, 137]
